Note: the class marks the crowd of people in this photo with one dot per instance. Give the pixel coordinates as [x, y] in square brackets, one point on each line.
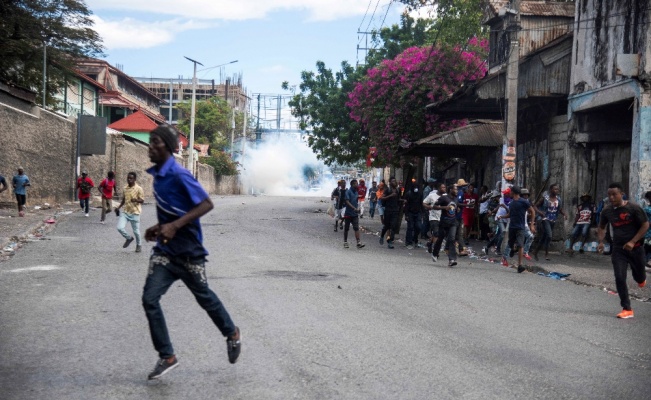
[505, 222]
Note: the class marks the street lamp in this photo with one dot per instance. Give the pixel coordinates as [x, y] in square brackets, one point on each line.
[194, 93]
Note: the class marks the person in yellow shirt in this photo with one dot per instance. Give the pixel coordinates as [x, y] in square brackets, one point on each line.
[132, 201]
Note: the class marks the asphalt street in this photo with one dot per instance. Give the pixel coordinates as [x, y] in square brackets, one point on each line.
[318, 321]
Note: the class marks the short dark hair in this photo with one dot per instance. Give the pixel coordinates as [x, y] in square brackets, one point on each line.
[111, 174]
[616, 185]
[353, 181]
[517, 190]
[135, 176]
[553, 185]
[647, 195]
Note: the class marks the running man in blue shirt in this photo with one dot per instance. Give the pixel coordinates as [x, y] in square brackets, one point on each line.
[179, 251]
[20, 183]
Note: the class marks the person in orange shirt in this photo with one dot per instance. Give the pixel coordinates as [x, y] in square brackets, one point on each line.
[380, 208]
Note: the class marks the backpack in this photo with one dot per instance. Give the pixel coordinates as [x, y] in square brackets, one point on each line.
[85, 186]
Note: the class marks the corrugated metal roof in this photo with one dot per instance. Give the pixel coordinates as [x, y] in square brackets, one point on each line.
[482, 133]
[535, 8]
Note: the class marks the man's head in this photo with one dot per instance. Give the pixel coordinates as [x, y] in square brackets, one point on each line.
[84, 173]
[20, 170]
[442, 188]
[524, 193]
[374, 184]
[554, 189]
[453, 190]
[515, 192]
[353, 184]
[163, 142]
[342, 183]
[431, 182]
[392, 182]
[111, 174]
[471, 188]
[616, 194]
[586, 197]
[361, 182]
[131, 178]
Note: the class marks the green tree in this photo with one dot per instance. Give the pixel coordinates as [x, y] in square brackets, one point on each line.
[63, 26]
[321, 102]
[222, 162]
[212, 122]
[321, 107]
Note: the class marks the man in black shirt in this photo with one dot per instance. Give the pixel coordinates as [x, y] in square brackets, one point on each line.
[629, 224]
[517, 213]
[337, 197]
[448, 224]
[391, 203]
[413, 206]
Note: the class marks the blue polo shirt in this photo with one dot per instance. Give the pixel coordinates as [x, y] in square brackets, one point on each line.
[177, 192]
[20, 181]
[351, 196]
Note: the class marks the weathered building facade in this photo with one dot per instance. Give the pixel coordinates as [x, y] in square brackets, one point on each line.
[610, 100]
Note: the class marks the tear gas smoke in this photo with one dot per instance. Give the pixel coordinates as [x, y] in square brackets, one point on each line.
[285, 166]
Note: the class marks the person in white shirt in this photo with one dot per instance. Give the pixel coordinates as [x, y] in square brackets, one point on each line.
[434, 215]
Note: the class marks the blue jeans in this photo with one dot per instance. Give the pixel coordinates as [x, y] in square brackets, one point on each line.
[528, 239]
[83, 203]
[413, 227]
[546, 237]
[163, 272]
[371, 208]
[499, 236]
[580, 230]
[135, 225]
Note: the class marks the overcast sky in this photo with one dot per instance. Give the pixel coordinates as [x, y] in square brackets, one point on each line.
[274, 40]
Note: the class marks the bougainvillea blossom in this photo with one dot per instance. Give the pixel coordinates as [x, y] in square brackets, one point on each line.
[390, 102]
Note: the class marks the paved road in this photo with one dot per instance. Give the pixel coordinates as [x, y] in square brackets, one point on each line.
[318, 321]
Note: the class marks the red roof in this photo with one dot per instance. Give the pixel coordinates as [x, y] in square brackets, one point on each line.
[136, 122]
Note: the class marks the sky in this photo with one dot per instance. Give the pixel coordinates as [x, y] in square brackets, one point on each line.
[273, 40]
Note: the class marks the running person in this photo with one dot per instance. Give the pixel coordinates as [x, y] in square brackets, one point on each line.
[107, 189]
[351, 215]
[391, 203]
[517, 214]
[179, 252]
[434, 214]
[629, 225]
[132, 201]
[84, 184]
[548, 208]
[449, 208]
[20, 182]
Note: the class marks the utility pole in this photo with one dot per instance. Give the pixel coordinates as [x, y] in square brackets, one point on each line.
[258, 134]
[509, 146]
[194, 99]
[45, 73]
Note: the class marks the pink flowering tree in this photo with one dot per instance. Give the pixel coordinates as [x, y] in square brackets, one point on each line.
[389, 103]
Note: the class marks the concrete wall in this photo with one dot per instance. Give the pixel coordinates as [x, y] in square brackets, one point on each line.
[122, 156]
[43, 143]
[206, 176]
[228, 184]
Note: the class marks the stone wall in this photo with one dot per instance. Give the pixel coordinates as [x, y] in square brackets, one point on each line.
[206, 177]
[43, 143]
[228, 184]
[122, 156]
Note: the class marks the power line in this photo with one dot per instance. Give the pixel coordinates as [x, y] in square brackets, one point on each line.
[368, 7]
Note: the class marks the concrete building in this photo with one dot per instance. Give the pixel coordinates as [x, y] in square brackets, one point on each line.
[123, 95]
[178, 90]
[610, 100]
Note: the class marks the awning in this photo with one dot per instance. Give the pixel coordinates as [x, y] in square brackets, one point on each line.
[458, 142]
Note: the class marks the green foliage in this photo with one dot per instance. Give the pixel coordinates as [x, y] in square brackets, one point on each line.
[63, 25]
[321, 107]
[212, 123]
[221, 162]
[321, 102]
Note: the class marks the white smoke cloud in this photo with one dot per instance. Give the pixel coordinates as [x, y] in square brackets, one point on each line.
[276, 168]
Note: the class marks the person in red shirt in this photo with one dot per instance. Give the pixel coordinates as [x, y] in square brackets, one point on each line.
[361, 195]
[107, 188]
[470, 200]
[84, 184]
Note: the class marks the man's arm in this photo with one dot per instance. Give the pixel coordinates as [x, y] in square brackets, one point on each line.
[638, 236]
[168, 231]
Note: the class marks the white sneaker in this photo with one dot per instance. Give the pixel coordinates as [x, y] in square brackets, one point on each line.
[101, 222]
[86, 215]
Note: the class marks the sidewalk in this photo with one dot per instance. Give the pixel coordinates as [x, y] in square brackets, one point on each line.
[588, 269]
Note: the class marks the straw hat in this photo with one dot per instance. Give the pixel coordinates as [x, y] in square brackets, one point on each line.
[462, 182]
